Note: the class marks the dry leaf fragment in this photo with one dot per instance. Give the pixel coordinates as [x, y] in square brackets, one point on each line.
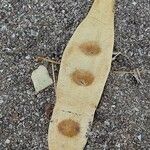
[41, 78]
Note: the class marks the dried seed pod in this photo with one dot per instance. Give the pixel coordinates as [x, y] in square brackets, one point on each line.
[83, 73]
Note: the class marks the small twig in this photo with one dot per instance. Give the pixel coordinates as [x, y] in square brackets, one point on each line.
[47, 60]
[137, 75]
[116, 55]
[122, 72]
[119, 53]
[54, 78]
[132, 71]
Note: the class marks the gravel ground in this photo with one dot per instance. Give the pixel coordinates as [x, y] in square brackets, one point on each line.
[30, 28]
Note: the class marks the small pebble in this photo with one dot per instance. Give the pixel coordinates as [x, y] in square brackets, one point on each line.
[27, 57]
[134, 3]
[139, 137]
[113, 106]
[1, 101]
[7, 141]
[107, 123]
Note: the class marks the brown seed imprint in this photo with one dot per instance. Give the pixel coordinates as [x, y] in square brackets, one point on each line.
[82, 77]
[90, 48]
[69, 128]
